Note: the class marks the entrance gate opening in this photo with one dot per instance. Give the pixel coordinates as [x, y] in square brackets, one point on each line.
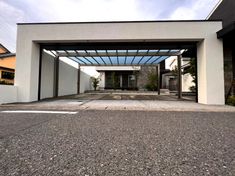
[120, 64]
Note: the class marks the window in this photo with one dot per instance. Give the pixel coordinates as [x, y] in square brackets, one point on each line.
[7, 75]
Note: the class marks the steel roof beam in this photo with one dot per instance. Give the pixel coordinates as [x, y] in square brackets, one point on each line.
[122, 54]
[148, 60]
[134, 57]
[143, 57]
[156, 59]
[117, 57]
[95, 60]
[88, 60]
[88, 64]
[107, 55]
[126, 56]
[100, 57]
[81, 60]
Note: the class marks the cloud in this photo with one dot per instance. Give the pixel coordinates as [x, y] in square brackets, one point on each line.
[9, 16]
[95, 10]
[91, 10]
[198, 10]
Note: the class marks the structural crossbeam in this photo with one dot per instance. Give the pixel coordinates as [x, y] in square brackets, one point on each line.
[121, 54]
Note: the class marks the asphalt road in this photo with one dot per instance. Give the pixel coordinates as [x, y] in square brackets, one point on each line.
[118, 143]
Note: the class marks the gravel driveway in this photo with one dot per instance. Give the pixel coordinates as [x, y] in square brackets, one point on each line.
[118, 143]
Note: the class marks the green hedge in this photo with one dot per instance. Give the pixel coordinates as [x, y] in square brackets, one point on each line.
[5, 83]
[231, 100]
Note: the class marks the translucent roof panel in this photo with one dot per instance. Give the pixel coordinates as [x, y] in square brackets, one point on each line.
[100, 60]
[121, 51]
[160, 59]
[121, 60]
[84, 60]
[91, 59]
[143, 60]
[75, 60]
[81, 51]
[114, 60]
[117, 57]
[164, 50]
[107, 60]
[136, 60]
[151, 59]
[128, 60]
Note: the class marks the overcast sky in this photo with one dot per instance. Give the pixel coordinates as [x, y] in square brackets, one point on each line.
[22, 11]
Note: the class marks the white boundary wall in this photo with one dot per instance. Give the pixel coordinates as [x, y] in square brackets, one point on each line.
[85, 78]
[210, 49]
[47, 78]
[68, 73]
[68, 79]
[8, 94]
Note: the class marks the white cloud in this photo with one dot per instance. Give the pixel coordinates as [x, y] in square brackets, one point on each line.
[183, 13]
[9, 16]
[198, 10]
[91, 10]
[13, 11]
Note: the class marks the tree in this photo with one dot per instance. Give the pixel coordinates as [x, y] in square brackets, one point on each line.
[95, 82]
[152, 81]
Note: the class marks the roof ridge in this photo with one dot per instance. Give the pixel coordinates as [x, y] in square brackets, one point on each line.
[2, 46]
[4, 55]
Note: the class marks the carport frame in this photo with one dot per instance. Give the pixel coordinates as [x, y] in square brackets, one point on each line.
[160, 54]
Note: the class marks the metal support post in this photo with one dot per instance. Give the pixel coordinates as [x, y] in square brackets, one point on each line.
[179, 57]
[56, 76]
[40, 74]
[158, 79]
[78, 79]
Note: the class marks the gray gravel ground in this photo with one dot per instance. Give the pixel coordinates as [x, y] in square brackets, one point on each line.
[118, 143]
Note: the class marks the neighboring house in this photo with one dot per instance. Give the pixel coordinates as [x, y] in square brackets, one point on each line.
[7, 66]
[119, 77]
[225, 11]
[169, 78]
[124, 78]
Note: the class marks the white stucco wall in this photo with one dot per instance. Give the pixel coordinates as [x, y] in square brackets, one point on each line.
[27, 69]
[47, 76]
[8, 94]
[210, 49]
[210, 68]
[68, 75]
[85, 78]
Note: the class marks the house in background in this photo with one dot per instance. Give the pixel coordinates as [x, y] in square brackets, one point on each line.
[169, 78]
[7, 66]
[123, 78]
[119, 77]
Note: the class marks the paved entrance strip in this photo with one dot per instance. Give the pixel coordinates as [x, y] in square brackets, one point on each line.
[73, 105]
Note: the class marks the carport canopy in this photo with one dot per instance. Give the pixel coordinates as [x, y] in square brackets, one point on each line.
[117, 57]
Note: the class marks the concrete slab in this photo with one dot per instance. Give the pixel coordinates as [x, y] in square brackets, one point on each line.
[137, 105]
[117, 100]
